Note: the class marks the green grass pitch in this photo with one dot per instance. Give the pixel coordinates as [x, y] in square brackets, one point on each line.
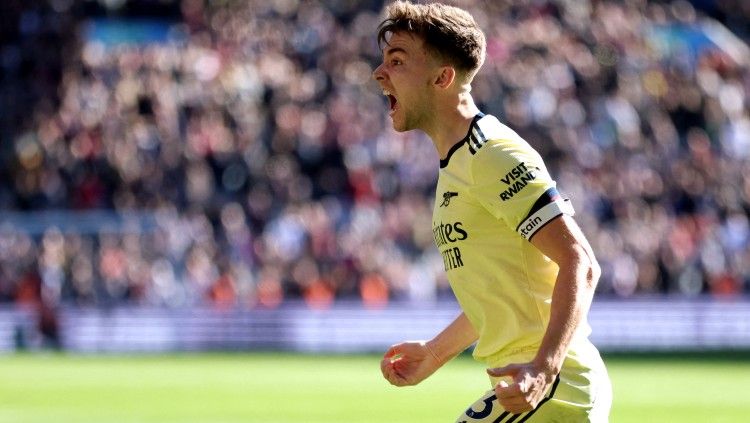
[287, 388]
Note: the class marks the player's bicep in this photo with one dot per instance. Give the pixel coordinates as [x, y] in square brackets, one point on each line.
[562, 240]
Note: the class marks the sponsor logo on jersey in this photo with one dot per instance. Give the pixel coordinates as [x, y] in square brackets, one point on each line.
[517, 179]
[446, 234]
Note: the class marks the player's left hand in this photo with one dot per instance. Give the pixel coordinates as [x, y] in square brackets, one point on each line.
[529, 386]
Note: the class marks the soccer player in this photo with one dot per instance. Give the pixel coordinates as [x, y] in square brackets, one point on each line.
[519, 265]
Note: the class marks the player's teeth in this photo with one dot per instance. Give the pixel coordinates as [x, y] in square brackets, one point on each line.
[386, 92]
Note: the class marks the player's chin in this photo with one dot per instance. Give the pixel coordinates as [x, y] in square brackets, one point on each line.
[399, 126]
[397, 123]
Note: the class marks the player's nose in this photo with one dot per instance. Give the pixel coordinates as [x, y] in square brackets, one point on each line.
[378, 74]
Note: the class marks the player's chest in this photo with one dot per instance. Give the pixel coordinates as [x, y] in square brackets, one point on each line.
[457, 216]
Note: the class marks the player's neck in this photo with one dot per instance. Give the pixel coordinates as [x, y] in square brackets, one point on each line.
[451, 123]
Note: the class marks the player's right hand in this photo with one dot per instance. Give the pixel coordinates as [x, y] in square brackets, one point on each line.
[408, 363]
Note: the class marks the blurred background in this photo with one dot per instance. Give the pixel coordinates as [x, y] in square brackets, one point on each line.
[191, 175]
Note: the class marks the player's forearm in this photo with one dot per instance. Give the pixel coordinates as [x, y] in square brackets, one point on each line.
[455, 338]
[571, 300]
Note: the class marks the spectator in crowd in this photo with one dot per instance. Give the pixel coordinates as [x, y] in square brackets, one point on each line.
[255, 138]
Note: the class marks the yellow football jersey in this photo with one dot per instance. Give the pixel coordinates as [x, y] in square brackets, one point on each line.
[493, 194]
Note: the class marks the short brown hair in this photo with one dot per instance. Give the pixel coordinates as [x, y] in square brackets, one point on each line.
[448, 32]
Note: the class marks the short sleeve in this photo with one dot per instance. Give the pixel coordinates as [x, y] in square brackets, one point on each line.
[512, 183]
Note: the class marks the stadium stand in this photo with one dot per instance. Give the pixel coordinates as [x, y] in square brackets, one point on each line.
[237, 154]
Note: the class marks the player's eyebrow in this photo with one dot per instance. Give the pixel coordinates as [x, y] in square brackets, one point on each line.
[391, 50]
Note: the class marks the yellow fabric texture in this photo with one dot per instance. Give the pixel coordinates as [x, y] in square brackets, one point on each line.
[502, 282]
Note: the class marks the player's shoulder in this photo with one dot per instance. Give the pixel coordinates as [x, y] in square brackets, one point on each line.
[487, 130]
[495, 147]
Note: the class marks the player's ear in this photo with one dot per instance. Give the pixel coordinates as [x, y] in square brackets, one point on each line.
[445, 77]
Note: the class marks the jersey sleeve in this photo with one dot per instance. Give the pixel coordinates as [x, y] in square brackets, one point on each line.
[512, 183]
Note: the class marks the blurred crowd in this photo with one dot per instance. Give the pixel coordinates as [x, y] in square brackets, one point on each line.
[255, 136]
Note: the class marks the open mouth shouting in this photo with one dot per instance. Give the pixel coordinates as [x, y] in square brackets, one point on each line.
[392, 100]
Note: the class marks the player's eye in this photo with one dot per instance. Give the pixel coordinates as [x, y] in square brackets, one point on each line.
[395, 62]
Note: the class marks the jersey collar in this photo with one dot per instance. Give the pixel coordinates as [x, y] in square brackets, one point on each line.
[464, 140]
